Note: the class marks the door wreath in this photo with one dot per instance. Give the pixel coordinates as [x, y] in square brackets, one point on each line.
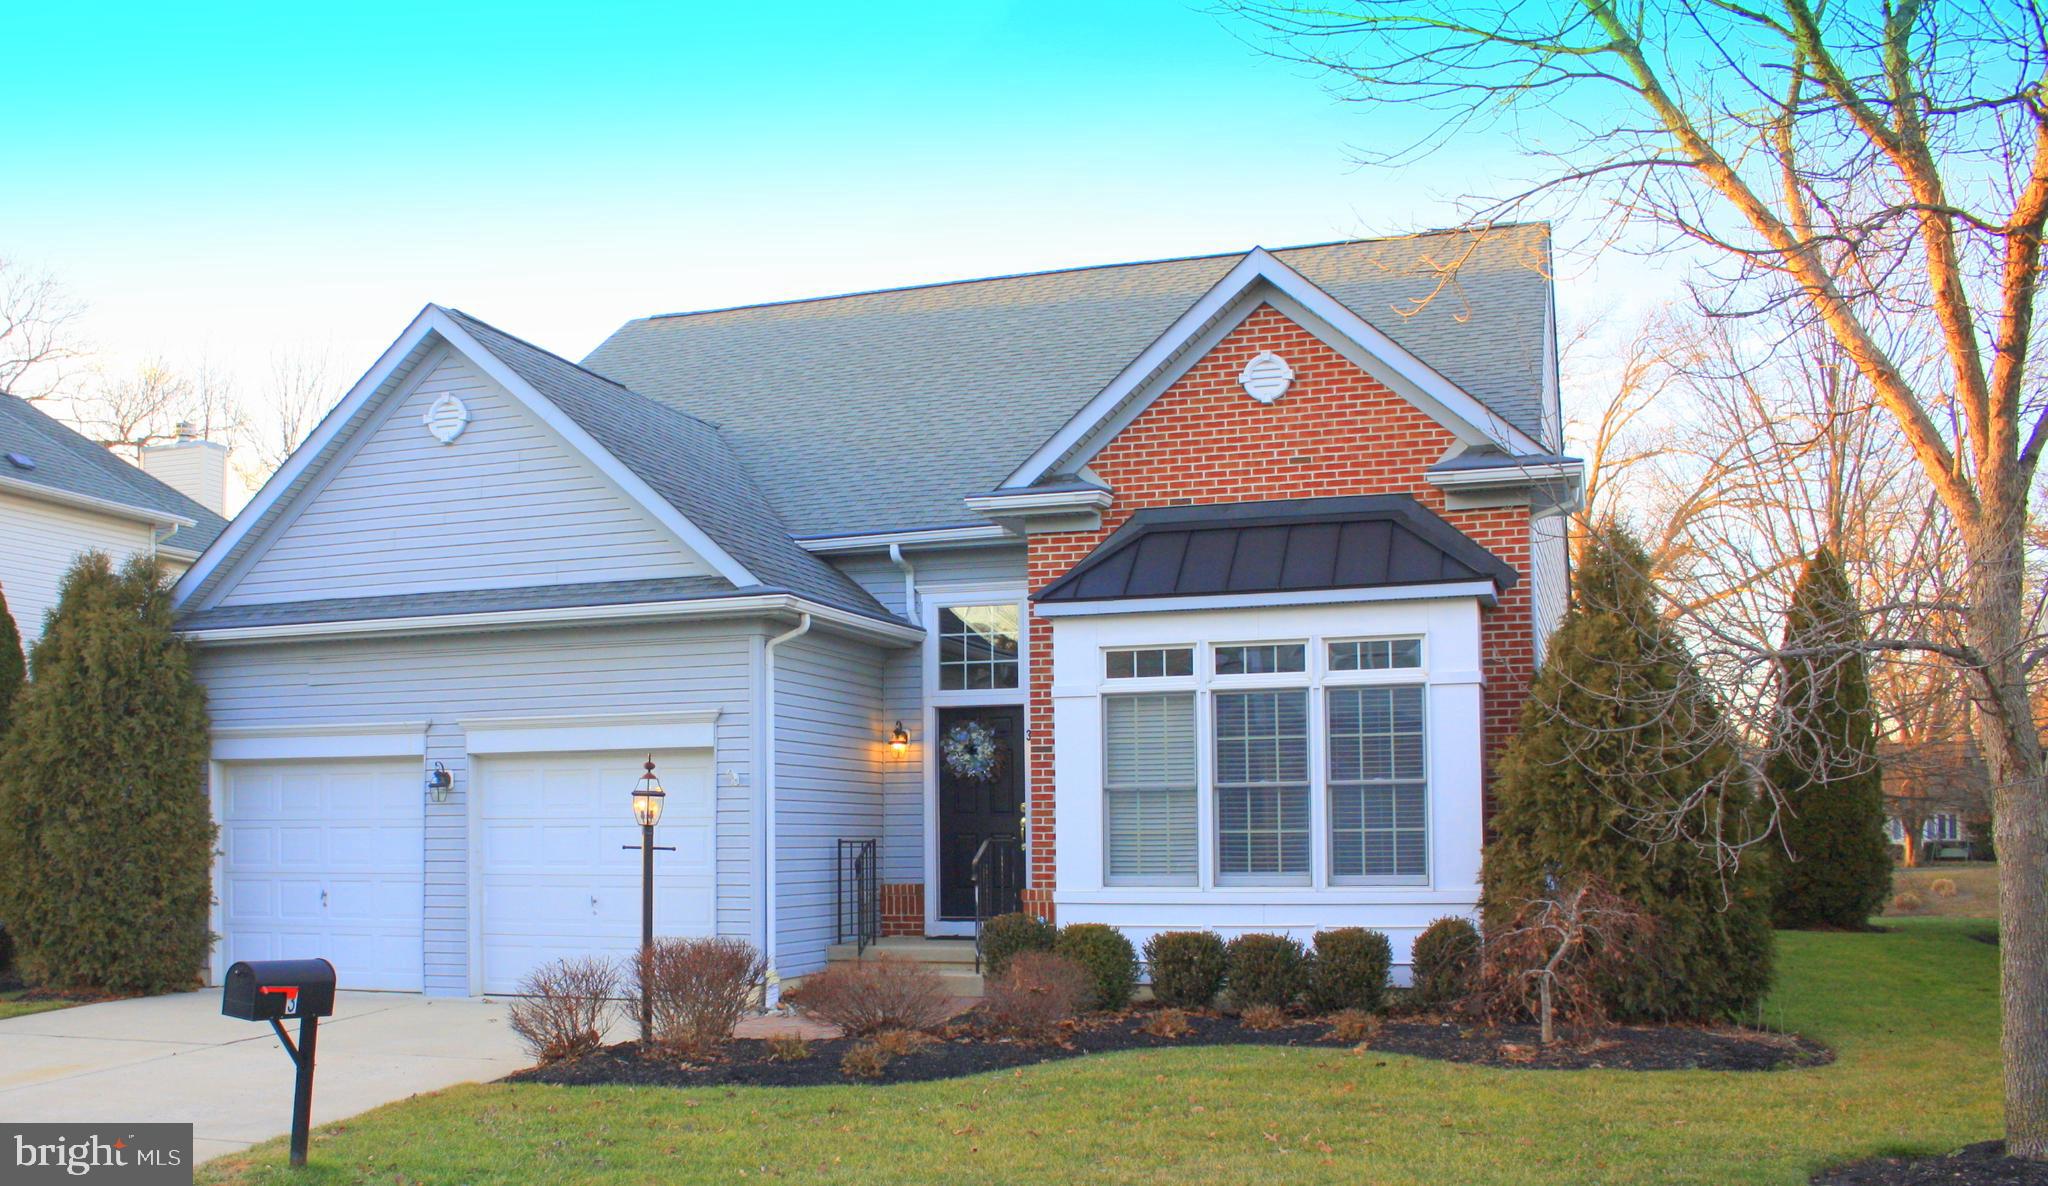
[972, 750]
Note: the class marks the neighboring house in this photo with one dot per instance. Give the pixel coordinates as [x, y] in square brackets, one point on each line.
[62, 495]
[1215, 580]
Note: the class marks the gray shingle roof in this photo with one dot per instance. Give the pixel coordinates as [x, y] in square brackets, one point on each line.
[881, 411]
[686, 461]
[466, 601]
[68, 463]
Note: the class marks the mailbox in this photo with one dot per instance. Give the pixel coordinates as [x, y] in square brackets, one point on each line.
[278, 990]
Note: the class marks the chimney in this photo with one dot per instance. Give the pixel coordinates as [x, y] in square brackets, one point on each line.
[193, 466]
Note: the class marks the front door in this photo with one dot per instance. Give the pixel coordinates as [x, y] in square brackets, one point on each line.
[981, 797]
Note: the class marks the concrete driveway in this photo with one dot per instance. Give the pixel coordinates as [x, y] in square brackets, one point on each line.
[176, 1059]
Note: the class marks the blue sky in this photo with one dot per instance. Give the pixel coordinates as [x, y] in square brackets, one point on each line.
[234, 181]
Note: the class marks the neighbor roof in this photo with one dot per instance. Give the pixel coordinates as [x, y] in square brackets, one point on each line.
[881, 411]
[69, 464]
[1287, 546]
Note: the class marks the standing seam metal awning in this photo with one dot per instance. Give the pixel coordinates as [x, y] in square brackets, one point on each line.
[1292, 546]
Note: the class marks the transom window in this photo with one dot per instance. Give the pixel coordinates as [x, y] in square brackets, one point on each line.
[1375, 654]
[1148, 662]
[977, 647]
[1261, 659]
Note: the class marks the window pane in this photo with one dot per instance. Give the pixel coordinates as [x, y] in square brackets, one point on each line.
[1262, 799]
[1378, 801]
[1263, 659]
[1180, 661]
[1375, 654]
[1149, 662]
[1118, 665]
[1149, 788]
[977, 647]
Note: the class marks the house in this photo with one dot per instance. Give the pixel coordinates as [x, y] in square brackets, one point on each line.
[1190, 593]
[62, 495]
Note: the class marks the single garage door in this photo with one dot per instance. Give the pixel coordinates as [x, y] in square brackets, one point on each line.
[325, 858]
[554, 875]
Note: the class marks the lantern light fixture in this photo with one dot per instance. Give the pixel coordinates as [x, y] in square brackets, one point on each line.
[440, 782]
[899, 741]
[648, 796]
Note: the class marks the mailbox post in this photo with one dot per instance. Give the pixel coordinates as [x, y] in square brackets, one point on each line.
[274, 991]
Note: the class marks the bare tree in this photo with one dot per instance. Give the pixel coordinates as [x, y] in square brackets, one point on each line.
[1882, 171]
[36, 339]
[155, 402]
[301, 390]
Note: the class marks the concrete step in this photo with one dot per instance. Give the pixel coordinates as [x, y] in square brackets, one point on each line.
[947, 953]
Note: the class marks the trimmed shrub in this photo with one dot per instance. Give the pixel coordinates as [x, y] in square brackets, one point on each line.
[1907, 902]
[1035, 993]
[563, 1006]
[873, 995]
[864, 1060]
[106, 834]
[1824, 765]
[1353, 1026]
[899, 1043]
[1940, 887]
[699, 989]
[1265, 970]
[1168, 1023]
[1007, 934]
[1620, 746]
[1263, 1017]
[788, 1047]
[13, 668]
[1187, 967]
[1107, 957]
[1442, 963]
[1349, 970]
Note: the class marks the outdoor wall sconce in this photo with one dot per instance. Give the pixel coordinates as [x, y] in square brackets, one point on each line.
[440, 782]
[899, 741]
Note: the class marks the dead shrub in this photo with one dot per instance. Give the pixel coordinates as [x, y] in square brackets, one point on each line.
[1036, 991]
[1942, 887]
[1907, 902]
[873, 995]
[699, 988]
[898, 1043]
[1263, 1017]
[563, 1007]
[1168, 1023]
[1353, 1026]
[1548, 963]
[788, 1048]
[864, 1060]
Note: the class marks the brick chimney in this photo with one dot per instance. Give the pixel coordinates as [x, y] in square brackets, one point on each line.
[193, 466]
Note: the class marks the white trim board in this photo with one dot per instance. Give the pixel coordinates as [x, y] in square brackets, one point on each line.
[277, 743]
[1483, 590]
[923, 537]
[86, 502]
[592, 734]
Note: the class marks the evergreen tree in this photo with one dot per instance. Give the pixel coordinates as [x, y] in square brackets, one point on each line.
[105, 828]
[13, 670]
[1837, 867]
[1620, 771]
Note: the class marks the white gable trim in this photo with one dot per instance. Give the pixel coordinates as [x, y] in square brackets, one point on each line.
[434, 322]
[1260, 266]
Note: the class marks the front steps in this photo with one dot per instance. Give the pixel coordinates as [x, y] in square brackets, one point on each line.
[952, 959]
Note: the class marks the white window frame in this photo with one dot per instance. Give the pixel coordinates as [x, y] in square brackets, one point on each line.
[933, 598]
[1117, 688]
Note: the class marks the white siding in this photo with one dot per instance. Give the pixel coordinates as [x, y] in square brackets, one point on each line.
[507, 504]
[1549, 576]
[829, 742]
[38, 543]
[447, 679]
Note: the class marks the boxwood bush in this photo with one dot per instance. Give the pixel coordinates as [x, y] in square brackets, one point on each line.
[1187, 967]
[1006, 935]
[1446, 954]
[1265, 970]
[1111, 962]
[1349, 970]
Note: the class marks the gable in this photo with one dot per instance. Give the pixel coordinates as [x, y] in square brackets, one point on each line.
[506, 504]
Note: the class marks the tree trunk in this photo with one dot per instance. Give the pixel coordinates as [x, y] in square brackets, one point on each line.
[2012, 752]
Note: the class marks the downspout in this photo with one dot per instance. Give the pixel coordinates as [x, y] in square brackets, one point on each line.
[771, 994]
[896, 557]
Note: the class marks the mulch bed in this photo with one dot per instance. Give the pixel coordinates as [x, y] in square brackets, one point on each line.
[1976, 1165]
[964, 1049]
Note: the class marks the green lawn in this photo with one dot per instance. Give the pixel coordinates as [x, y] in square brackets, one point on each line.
[11, 1005]
[1913, 1014]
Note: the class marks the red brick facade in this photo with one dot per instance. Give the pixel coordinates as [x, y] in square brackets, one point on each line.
[903, 908]
[1335, 432]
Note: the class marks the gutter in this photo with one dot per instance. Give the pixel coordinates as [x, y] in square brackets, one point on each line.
[771, 994]
[105, 506]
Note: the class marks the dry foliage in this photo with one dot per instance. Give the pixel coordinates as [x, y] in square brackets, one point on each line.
[563, 1007]
[699, 988]
[898, 1043]
[1549, 962]
[1036, 991]
[1168, 1023]
[1353, 1025]
[873, 995]
[1907, 902]
[1942, 887]
[1263, 1017]
[788, 1048]
[864, 1060]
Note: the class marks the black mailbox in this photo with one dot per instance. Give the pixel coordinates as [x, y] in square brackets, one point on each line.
[277, 990]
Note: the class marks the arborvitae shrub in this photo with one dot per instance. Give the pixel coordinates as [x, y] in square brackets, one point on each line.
[1007, 934]
[106, 835]
[1442, 963]
[1349, 970]
[1111, 962]
[1187, 967]
[1265, 970]
[1836, 869]
[13, 668]
[1620, 771]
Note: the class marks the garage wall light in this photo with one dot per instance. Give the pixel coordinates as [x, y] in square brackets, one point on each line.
[440, 782]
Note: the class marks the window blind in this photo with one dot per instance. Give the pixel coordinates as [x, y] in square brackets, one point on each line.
[1149, 788]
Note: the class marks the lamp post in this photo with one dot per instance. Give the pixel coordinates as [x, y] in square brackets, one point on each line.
[647, 800]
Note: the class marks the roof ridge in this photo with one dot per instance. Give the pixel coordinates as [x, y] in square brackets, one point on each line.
[1135, 263]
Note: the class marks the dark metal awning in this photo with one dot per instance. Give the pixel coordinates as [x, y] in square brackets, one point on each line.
[1300, 546]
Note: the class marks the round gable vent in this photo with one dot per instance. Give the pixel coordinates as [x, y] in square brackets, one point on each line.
[446, 418]
[1267, 377]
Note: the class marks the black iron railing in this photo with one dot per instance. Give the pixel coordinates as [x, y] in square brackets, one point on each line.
[857, 893]
[998, 873]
